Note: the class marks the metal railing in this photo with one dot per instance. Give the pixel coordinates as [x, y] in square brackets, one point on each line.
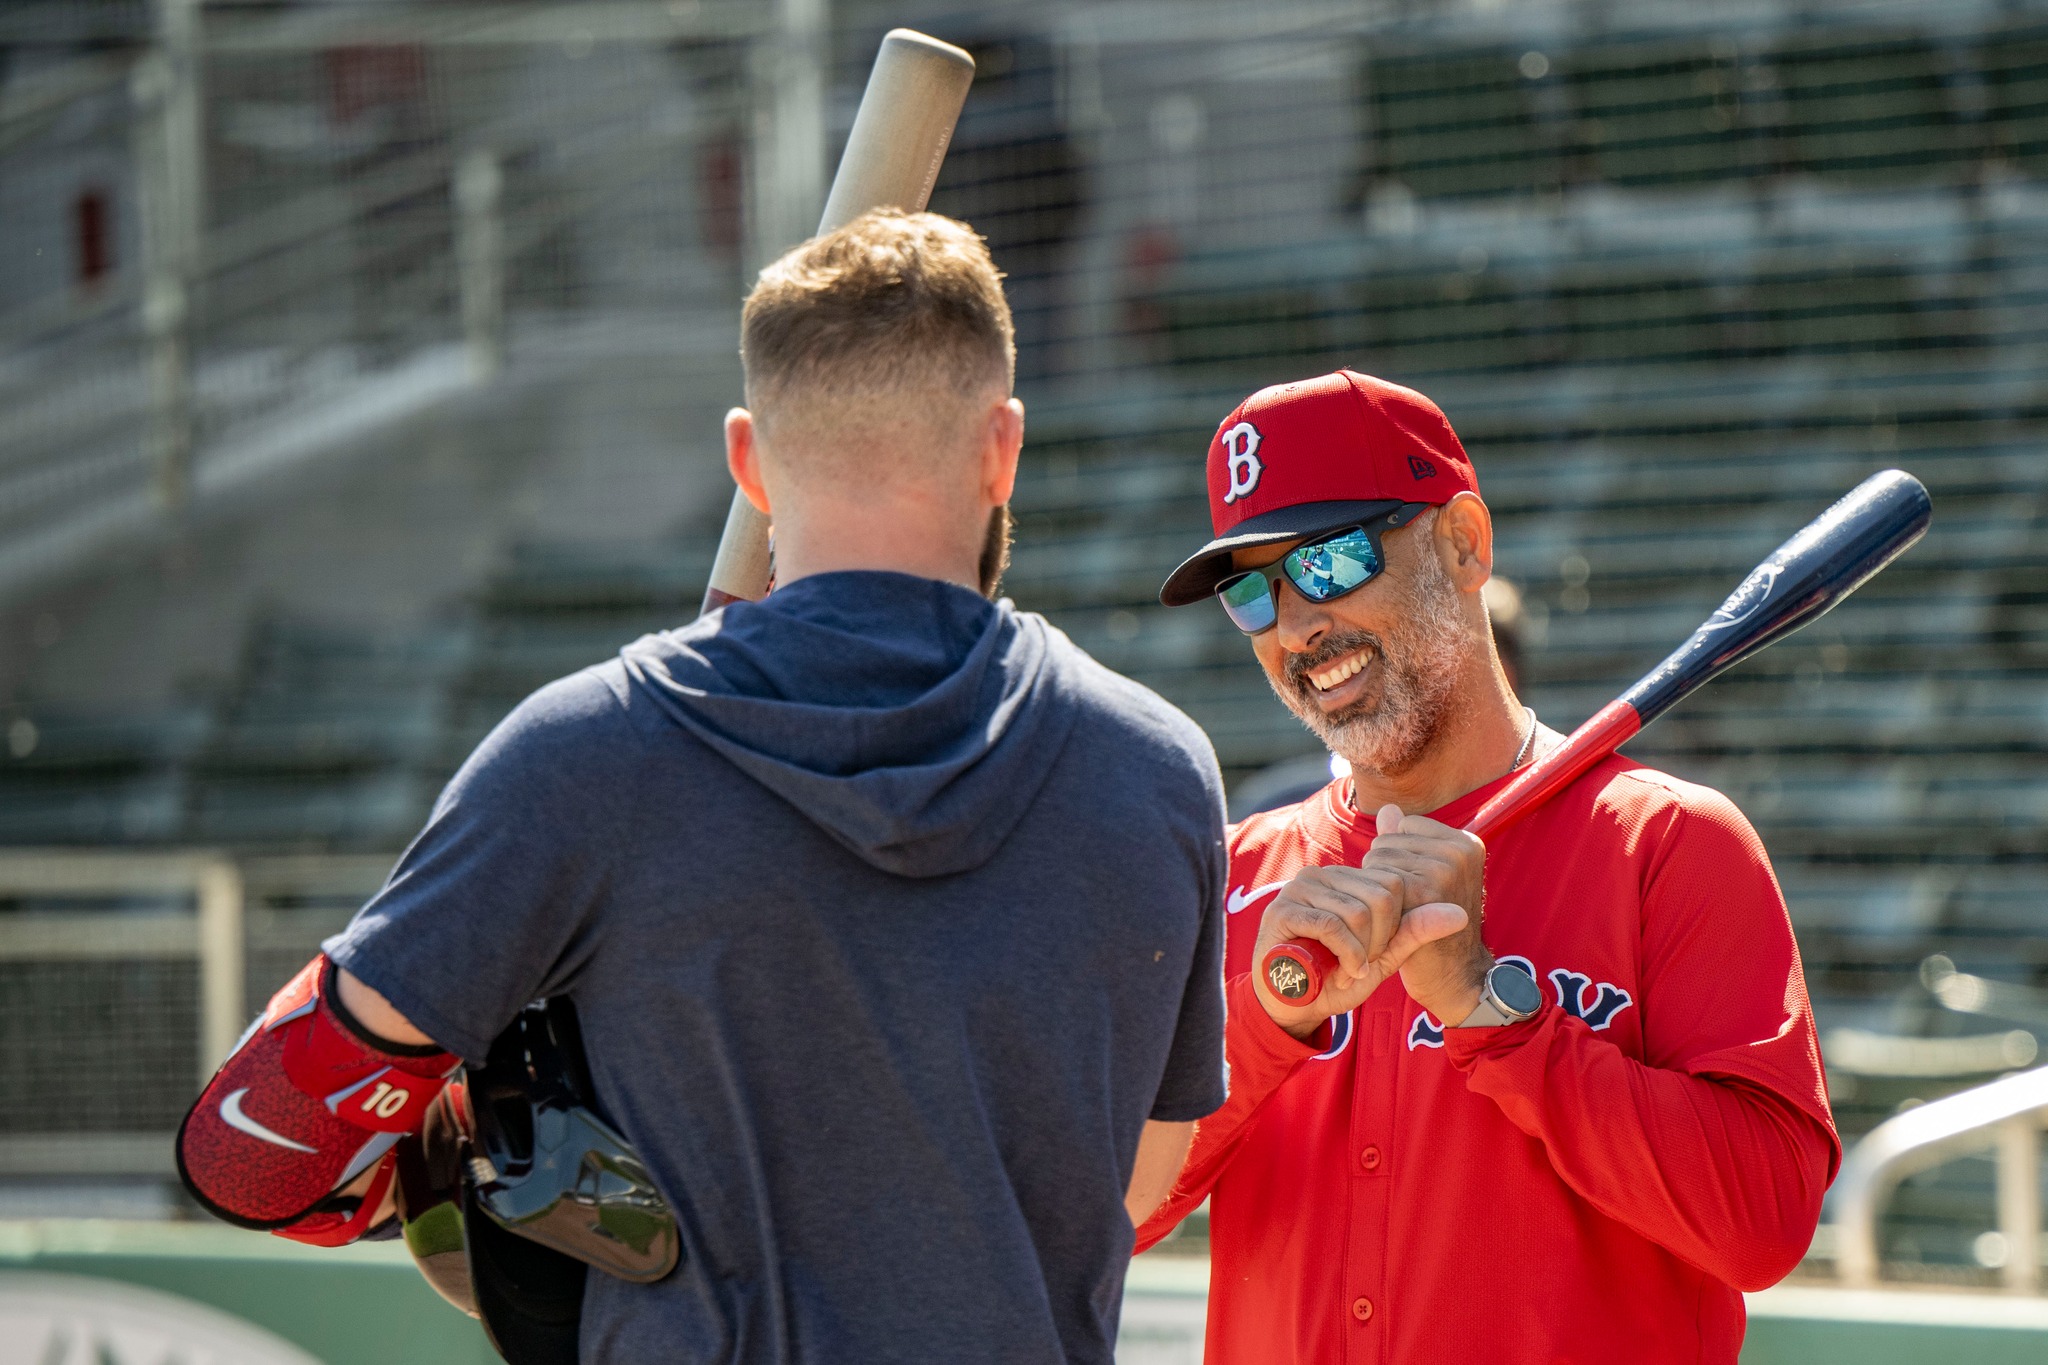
[104, 923]
[2007, 1115]
[212, 932]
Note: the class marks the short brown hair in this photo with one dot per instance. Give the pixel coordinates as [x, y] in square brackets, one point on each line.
[891, 304]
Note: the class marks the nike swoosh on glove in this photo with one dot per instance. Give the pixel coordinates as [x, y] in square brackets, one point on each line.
[305, 1104]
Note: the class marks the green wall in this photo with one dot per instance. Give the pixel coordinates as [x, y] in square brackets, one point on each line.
[366, 1305]
[1797, 1325]
[359, 1305]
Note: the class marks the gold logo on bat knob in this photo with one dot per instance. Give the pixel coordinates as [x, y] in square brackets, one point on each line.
[1288, 979]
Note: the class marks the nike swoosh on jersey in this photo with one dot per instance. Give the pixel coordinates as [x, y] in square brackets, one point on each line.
[231, 1114]
[1245, 895]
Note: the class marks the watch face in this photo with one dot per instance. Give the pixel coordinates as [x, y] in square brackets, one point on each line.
[1516, 989]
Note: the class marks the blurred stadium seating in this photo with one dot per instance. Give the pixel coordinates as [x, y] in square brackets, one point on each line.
[1678, 277]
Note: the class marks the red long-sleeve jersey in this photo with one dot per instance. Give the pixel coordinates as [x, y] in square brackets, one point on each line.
[1595, 1184]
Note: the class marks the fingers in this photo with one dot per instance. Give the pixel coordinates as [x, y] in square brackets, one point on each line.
[1435, 861]
[1368, 899]
[1371, 921]
[1448, 844]
[1420, 833]
[1354, 912]
[1344, 889]
[1400, 851]
[1287, 919]
[1418, 874]
[1390, 821]
[1427, 859]
[1423, 925]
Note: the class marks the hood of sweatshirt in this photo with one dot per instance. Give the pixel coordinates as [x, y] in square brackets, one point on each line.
[905, 717]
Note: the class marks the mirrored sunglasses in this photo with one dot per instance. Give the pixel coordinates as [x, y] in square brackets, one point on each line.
[1321, 570]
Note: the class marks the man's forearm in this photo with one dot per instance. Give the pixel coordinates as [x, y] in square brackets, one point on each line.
[1261, 1055]
[1162, 1152]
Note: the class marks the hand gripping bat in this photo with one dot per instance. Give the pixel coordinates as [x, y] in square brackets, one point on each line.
[892, 158]
[1833, 556]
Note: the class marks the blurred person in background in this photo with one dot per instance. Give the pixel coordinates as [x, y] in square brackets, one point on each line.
[1561, 1099]
[892, 921]
[1510, 627]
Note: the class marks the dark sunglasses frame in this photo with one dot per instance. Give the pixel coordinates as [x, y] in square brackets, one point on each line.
[1278, 571]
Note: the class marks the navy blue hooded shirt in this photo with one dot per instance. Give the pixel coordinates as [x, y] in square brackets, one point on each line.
[890, 917]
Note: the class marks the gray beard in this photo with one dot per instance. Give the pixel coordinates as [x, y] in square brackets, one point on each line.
[1418, 669]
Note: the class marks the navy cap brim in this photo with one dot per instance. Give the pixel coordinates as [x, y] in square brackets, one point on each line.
[1200, 572]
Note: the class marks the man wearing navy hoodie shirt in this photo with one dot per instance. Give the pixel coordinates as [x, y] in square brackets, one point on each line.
[892, 919]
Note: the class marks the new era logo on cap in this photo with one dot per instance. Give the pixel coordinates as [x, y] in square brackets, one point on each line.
[1332, 447]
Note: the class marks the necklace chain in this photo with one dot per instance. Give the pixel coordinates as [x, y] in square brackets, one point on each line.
[1522, 754]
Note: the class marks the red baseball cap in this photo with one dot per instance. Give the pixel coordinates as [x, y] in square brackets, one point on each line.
[1314, 456]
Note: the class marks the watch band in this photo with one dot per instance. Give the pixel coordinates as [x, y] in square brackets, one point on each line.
[1492, 1011]
[1486, 1014]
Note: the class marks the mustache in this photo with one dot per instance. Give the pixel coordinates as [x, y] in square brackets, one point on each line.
[1298, 666]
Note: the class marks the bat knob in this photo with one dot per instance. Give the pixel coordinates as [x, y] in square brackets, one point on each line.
[1295, 970]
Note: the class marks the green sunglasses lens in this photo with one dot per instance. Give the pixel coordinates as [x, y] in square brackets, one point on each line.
[1249, 603]
[1331, 568]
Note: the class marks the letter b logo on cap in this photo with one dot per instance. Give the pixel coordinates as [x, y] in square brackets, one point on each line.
[1241, 445]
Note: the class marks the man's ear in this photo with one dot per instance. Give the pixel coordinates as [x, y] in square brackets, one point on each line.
[1002, 442]
[1464, 538]
[743, 458]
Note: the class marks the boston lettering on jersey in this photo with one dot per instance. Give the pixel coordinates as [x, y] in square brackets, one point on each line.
[1577, 995]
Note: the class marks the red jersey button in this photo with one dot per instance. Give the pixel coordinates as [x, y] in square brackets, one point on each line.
[1370, 1158]
[1361, 1308]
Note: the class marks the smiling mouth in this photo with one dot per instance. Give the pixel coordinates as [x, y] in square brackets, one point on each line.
[1341, 671]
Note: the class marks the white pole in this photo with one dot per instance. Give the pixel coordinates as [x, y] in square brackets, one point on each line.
[480, 258]
[2019, 1201]
[787, 174]
[222, 1011]
[170, 180]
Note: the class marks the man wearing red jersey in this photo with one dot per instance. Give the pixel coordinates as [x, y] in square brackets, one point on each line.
[1590, 1110]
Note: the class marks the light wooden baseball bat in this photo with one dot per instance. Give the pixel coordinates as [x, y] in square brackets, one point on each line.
[892, 158]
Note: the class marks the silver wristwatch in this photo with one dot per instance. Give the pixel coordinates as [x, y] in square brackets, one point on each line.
[1507, 995]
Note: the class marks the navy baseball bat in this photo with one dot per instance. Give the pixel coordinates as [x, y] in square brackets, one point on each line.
[1834, 555]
